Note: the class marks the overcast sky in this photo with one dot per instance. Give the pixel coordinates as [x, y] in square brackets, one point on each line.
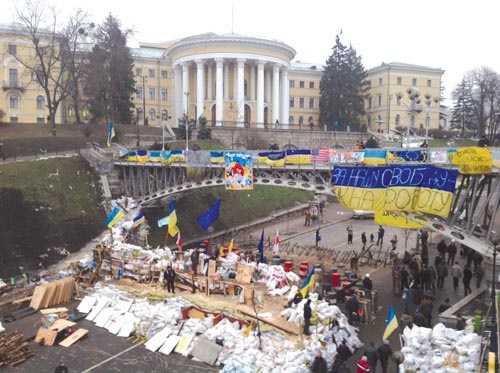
[454, 36]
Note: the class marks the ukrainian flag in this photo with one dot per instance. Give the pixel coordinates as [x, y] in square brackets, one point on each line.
[111, 133]
[132, 156]
[177, 156]
[142, 156]
[273, 159]
[375, 156]
[112, 219]
[299, 156]
[391, 324]
[308, 283]
[216, 157]
[154, 156]
[165, 157]
[139, 219]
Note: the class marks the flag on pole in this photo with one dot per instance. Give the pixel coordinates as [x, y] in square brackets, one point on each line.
[261, 247]
[115, 215]
[391, 324]
[210, 216]
[172, 221]
[230, 247]
[139, 219]
[276, 247]
[163, 221]
[111, 133]
[308, 283]
[179, 240]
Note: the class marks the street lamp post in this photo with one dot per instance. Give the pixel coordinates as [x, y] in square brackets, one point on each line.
[413, 109]
[428, 102]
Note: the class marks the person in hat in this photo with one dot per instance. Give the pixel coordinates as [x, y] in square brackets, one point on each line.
[452, 251]
[367, 282]
[307, 317]
[170, 279]
[61, 368]
[362, 366]
[372, 356]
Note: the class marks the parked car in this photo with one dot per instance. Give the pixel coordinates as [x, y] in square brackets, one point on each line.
[361, 214]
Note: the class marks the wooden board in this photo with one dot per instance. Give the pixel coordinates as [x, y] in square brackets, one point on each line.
[183, 344]
[76, 336]
[212, 267]
[268, 321]
[37, 297]
[170, 344]
[61, 324]
[244, 273]
[53, 310]
[46, 335]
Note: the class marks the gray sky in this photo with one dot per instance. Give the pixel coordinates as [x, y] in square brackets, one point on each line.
[454, 36]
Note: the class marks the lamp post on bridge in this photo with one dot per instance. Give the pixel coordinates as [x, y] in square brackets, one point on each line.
[414, 108]
[428, 101]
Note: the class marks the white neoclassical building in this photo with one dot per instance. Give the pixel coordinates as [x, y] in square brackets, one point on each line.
[232, 80]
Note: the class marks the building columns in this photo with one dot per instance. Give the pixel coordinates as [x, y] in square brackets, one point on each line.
[219, 92]
[185, 87]
[240, 93]
[276, 93]
[284, 98]
[260, 94]
[200, 96]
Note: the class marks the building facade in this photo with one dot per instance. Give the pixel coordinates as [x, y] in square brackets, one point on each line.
[404, 95]
[232, 81]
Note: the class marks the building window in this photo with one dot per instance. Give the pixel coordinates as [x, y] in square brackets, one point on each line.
[13, 77]
[301, 120]
[414, 82]
[370, 100]
[292, 83]
[399, 81]
[398, 101]
[40, 75]
[311, 103]
[138, 93]
[152, 114]
[152, 93]
[40, 120]
[379, 100]
[151, 73]
[138, 72]
[40, 102]
[397, 120]
[429, 83]
[164, 74]
[302, 84]
[292, 102]
[71, 111]
[380, 81]
[14, 102]
[290, 120]
[301, 102]
[164, 94]
[12, 49]
[369, 84]
[311, 85]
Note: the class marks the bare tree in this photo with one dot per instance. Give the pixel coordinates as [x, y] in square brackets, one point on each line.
[48, 55]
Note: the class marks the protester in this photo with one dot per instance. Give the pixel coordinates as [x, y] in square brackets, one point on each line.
[307, 317]
[380, 235]
[456, 273]
[452, 251]
[367, 282]
[372, 356]
[394, 242]
[343, 352]
[170, 279]
[350, 233]
[363, 239]
[461, 323]
[444, 306]
[405, 321]
[384, 353]
[426, 307]
[352, 307]
[479, 274]
[442, 273]
[61, 368]
[467, 277]
[319, 364]
[195, 258]
[362, 366]
[396, 280]
[483, 142]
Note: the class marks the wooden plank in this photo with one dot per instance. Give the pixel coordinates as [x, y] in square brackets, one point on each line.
[22, 300]
[244, 273]
[38, 296]
[53, 310]
[61, 324]
[74, 337]
[212, 267]
[46, 335]
[267, 321]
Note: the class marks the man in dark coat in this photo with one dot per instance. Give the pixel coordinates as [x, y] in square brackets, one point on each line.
[384, 352]
[452, 251]
[307, 317]
[372, 356]
[352, 307]
[195, 259]
[343, 352]
[170, 279]
[466, 280]
[61, 368]
[319, 364]
[442, 248]
[444, 306]
[442, 273]
[380, 237]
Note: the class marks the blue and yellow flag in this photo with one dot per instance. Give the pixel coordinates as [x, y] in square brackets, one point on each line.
[273, 159]
[391, 324]
[154, 156]
[473, 160]
[111, 133]
[115, 215]
[142, 156]
[216, 157]
[308, 283]
[139, 219]
[375, 156]
[163, 221]
[177, 156]
[132, 156]
[166, 157]
[172, 222]
[298, 156]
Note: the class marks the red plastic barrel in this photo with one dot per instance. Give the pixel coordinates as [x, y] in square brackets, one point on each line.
[288, 266]
[303, 269]
[335, 280]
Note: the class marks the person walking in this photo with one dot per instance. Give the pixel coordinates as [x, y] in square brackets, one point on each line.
[170, 279]
[362, 366]
[307, 222]
[405, 278]
[307, 317]
[479, 274]
[363, 240]
[456, 273]
[467, 277]
[452, 251]
[372, 356]
[426, 307]
[350, 233]
[461, 323]
[319, 364]
[442, 248]
[432, 279]
[343, 352]
[380, 235]
[384, 353]
[394, 242]
[61, 368]
[442, 273]
[195, 259]
[396, 280]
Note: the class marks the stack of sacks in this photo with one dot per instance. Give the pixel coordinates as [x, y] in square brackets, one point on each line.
[440, 349]
[324, 313]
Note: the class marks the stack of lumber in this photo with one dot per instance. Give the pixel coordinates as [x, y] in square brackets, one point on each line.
[13, 349]
[53, 293]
